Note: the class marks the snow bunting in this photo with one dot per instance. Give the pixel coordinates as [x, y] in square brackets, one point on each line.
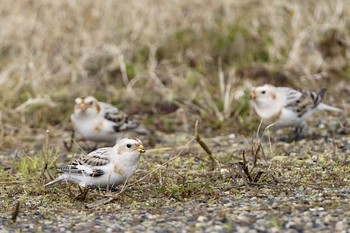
[285, 106]
[105, 167]
[101, 122]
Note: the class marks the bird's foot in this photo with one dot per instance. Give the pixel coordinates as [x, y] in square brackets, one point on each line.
[82, 196]
[298, 134]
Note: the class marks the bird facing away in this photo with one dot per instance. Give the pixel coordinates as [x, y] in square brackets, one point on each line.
[101, 122]
[285, 106]
[104, 167]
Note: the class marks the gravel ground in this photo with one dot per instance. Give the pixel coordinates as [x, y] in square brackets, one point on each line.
[303, 210]
[312, 195]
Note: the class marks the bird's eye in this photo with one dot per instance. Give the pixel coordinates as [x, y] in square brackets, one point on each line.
[128, 145]
[263, 92]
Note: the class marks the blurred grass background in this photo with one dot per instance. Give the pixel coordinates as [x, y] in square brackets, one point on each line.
[171, 62]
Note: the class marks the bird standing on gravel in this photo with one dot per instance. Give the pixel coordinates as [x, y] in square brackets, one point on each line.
[283, 106]
[105, 167]
[101, 122]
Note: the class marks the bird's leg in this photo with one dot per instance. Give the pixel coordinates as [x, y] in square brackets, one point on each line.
[114, 189]
[94, 187]
[82, 196]
[85, 194]
[298, 133]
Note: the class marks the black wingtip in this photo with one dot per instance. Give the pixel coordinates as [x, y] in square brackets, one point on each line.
[97, 173]
[322, 92]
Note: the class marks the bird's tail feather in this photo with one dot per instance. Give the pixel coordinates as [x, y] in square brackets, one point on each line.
[326, 107]
[58, 179]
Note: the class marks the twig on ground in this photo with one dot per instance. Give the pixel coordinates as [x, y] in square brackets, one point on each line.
[15, 213]
[257, 176]
[242, 174]
[162, 149]
[17, 182]
[205, 147]
[244, 167]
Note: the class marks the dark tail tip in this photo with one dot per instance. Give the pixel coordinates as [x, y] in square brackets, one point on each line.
[322, 92]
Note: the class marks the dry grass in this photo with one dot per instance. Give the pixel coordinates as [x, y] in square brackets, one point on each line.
[180, 52]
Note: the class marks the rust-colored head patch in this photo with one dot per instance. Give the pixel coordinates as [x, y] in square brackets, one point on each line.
[118, 170]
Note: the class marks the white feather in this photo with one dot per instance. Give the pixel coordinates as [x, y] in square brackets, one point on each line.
[326, 107]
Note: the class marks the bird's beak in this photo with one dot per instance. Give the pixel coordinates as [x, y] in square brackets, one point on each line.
[140, 149]
[83, 107]
[252, 95]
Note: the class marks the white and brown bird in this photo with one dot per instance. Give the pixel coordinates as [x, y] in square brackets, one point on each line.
[101, 122]
[284, 107]
[105, 167]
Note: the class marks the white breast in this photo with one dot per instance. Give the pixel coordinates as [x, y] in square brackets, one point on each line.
[95, 129]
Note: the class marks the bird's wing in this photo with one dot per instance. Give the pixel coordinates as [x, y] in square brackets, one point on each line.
[289, 95]
[108, 107]
[90, 164]
[121, 121]
[307, 100]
